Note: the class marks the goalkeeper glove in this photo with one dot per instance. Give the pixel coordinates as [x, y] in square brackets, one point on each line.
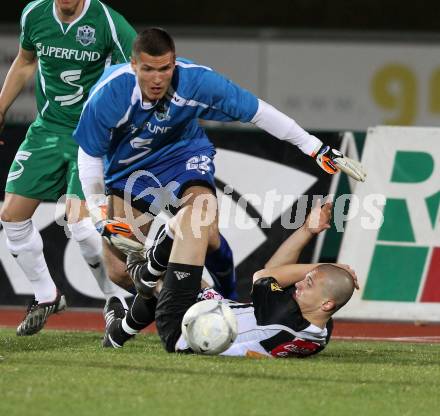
[332, 161]
[118, 234]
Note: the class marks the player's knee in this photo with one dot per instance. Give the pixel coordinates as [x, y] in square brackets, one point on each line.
[194, 219]
[76, 210]
[22, 237]
[184, 214]
[205, 203]
[82, 229]
[6, 215]
[205, 214]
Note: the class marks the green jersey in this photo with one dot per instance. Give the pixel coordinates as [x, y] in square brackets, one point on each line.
[71, 56]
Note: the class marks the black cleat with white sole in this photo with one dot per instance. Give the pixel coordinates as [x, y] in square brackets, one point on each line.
[115, 336]
[113, 309]
[114, 312]
[37, 314]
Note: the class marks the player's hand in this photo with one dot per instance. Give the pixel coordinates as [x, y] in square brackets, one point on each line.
[116, 233]
[119, 235]
[319, 218]
[332, 161]
[352, 273]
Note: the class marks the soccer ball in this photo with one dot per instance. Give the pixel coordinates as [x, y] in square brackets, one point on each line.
[209, 327]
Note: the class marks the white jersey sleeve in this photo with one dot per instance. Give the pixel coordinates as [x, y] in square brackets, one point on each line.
[283, 127]
[91, 175]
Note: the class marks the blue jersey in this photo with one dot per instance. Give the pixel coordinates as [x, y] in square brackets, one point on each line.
[133, 135]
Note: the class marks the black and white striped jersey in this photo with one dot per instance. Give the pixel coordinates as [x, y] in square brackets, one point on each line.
[273, 324]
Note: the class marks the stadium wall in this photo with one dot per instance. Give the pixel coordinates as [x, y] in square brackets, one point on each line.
[326, 83]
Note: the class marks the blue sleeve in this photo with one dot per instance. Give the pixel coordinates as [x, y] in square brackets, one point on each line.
[100, 115]
[226, 100]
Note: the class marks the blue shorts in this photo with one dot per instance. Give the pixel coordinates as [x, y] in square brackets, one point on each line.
[159, 188]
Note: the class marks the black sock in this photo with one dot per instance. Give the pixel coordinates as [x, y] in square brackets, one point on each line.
[183, 277]
[141, 313]
[132, 290]
[179, 291]
[160, 251]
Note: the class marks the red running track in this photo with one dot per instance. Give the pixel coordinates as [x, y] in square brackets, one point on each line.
[80, 320]
[71, 320]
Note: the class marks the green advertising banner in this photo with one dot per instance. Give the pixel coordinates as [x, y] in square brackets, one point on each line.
[397, 260]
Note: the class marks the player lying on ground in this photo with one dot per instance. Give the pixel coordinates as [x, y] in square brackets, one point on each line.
[140, 125]
[69, 43]
[292, 303]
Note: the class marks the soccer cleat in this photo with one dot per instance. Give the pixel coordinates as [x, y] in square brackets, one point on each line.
[113, 309]
[37, 314]
[144, 280]
[115, 336]
[114, 312]
[108, 341]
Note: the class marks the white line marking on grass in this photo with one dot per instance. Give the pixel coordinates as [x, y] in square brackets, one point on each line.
[418, 339]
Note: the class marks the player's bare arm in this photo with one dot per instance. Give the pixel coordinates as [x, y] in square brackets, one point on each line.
[286, 275]
[282, 265]
[20, 72]
[317, 221]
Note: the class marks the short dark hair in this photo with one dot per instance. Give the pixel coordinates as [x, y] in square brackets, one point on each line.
[338, 285]
[155, 41]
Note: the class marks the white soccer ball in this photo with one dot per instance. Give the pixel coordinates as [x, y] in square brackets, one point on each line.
[209, 327]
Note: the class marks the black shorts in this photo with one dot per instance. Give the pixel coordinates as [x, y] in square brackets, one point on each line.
[171, 306]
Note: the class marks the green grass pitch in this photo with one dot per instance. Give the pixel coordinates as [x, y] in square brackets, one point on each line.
[68, 373]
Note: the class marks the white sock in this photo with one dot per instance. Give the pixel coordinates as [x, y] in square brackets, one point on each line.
[90, 245]
[128, 329]
[25, 244]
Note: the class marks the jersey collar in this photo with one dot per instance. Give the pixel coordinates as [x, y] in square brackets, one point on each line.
[57, 19]
[137, 96]
[316, 330]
